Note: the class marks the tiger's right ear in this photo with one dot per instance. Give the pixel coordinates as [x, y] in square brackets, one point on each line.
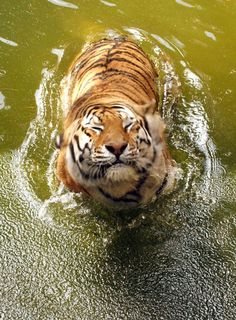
[59, 141]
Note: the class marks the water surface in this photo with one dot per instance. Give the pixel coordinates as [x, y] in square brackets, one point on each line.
[62, 258]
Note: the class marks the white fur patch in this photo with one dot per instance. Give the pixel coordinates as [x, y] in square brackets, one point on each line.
[120, 172]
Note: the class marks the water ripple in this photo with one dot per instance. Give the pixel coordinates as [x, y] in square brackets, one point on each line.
[65, 4]
[184, 3]
[188, 127]
[108, 3]
[9, 42]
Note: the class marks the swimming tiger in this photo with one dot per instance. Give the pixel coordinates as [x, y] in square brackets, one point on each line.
[112, 146]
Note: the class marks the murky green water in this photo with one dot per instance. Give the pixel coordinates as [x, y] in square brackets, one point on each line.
[62, 258]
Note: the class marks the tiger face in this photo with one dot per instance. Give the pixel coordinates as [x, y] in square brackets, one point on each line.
[110, 145]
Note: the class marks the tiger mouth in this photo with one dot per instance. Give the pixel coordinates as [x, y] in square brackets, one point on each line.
[117, 162]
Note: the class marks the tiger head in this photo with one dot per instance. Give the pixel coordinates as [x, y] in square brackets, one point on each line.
[111, 145]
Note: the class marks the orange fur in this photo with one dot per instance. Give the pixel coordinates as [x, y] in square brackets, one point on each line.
[107, 73]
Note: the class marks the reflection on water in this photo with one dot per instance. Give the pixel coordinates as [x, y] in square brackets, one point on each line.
[65, 258]
[9, 42]
[65, 4]
[2, 102]
[184, 3]
[108, 3]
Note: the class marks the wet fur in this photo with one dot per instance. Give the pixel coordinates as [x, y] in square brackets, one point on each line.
[109, 75]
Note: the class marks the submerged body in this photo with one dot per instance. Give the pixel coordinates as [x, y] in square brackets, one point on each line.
[112, 146]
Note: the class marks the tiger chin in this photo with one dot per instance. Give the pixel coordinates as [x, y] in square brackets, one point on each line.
[113, 147]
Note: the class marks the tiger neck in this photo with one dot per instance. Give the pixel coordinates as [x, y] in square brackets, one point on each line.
[150, 182]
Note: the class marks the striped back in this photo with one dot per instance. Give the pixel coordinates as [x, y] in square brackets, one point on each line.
[113, 69]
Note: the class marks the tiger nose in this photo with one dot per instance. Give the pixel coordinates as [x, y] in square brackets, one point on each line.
[116, 148]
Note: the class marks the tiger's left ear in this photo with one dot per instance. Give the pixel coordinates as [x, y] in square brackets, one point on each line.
[147, 108]
[59, 141]
[156, 126]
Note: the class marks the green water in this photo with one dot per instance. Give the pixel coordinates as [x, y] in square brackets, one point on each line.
[63, 258]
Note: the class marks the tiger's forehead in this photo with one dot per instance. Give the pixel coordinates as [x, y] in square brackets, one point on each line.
[103, 114]
[123, 111]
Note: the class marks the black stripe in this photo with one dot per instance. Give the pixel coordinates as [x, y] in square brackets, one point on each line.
[154, 155]
[77, 140]
[147, 126]
[96, 128]
[81, 158]
[115, 199]
[113, 72]
[127, 126]
[162, 186]
[133, 64]
[87, 133]
[100, 173]
[136, 71]
[87, 147]
[92, 109]
[90, 58]
[83, 174]
[128, 86]
[145, 141]
[72, 151]
[90, 67]
[124, 94]
[131, 46]
[92, 49]
[117, 107]
[142, 181]
[130, 54]
[135, 194]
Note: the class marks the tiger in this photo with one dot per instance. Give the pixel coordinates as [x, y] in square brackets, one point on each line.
[113, 146]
